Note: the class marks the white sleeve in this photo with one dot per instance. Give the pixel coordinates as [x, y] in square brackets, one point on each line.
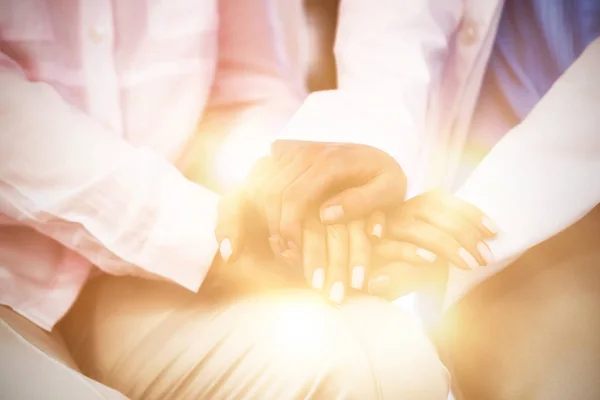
[544, 175]
[388, 52]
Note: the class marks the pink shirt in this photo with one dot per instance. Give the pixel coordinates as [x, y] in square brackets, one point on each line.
[96, 99]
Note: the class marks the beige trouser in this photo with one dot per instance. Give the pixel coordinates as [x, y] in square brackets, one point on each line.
[533, 331]
[155, 340]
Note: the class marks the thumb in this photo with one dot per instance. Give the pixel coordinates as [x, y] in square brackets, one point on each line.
[361, 201]
[399, 279]
[230, 225]
[396, 280]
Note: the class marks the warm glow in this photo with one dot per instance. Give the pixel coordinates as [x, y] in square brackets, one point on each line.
[409, 305]
[235, 158]
[301, 326]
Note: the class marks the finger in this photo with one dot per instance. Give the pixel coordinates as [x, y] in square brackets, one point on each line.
[376, 225]
[314, 253]
[302, 193]
[253, 190]
[389, 251]
[280, 180]
[398, 279]
[380, 192]
[435, 240]
[459, 228]
[360, 253]
[468, 211]
[229, 229]
[337, 262]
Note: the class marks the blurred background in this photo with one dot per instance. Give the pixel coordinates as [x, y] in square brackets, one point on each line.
[321, 18]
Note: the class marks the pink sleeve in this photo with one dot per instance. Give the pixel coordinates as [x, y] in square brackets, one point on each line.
[125, 209]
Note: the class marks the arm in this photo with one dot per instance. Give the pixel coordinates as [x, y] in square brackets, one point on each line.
[125, 209]
[545, 174]
[258, 85]
[388, 53]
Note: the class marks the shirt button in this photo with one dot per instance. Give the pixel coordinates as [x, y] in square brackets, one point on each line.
[107, 126]
[97, 34]
[468, 32]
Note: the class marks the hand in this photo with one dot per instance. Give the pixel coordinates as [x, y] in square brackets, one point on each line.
[267, 193]
[331, 256]
[239, 218]
[428, 234]
[346, 181]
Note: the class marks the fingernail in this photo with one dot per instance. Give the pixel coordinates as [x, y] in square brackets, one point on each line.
[332, 214]
[426, 255]
[337, 292]
[379, 284]
[468, 258]
[377, 231]
[318, 279]
[489, 225]
[358, 277]
[485, 253]
[292, 245]
[225, 249]
[291, 258]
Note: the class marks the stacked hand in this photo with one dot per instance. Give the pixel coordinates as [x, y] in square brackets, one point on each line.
[425, 236]
[337, 212]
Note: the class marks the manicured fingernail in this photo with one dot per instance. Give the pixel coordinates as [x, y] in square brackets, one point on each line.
[337, 292]
[468, 258]
[379, 284]
[485, 253]
[358, 277]
[226, 249]
[291, 257]
[489, 225]
[332, 214]
[426, 255]
[377, 231]
[318, 279]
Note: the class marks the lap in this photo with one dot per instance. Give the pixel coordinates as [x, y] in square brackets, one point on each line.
[532, 331]
[155, 340]
[36, 365]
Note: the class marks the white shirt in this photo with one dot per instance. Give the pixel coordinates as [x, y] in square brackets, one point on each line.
[409, 78]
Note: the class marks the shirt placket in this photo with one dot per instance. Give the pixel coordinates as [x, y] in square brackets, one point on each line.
[99, 68]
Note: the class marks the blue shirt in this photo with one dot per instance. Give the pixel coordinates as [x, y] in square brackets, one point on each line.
[537, 40]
